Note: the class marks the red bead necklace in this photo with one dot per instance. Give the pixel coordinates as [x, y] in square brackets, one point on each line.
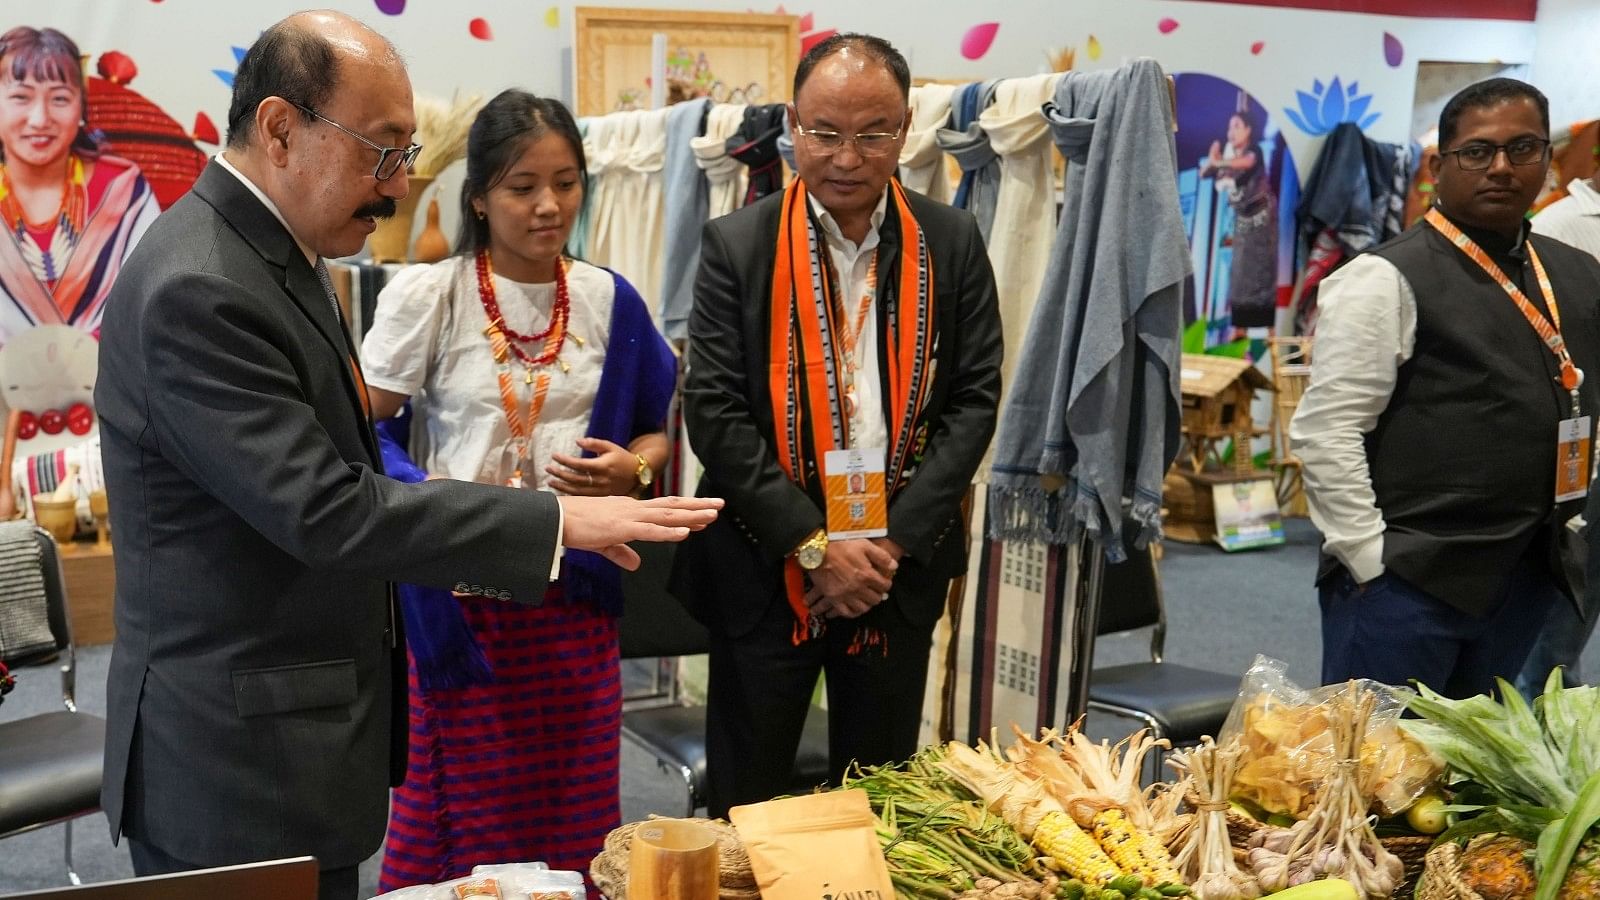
[554, 335]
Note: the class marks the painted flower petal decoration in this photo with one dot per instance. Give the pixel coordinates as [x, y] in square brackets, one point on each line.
[1093, 47]
[1332, 106]
[1310, 108]
[1393, 51]
[808, 22]
[480, 29]
[807, 41]
[1167, 25]
[1328, 106]
[204, 130]
[1257, 47]
[391, 7]
[239, 52]
[552, 17]
[976, 42]
[1358, 108]
[225, 76]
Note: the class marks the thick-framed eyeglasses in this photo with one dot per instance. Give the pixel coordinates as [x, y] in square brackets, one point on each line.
[390, 159]
[1479, 155]
[868, 144]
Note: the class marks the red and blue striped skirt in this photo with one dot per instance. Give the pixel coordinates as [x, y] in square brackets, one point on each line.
[521, 770]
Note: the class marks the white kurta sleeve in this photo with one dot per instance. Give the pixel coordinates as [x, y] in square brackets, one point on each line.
[1366, 328]
[403, 342]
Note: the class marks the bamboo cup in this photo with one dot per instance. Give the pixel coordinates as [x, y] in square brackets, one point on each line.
[673, 860]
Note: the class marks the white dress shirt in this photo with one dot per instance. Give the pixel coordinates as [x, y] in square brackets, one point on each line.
[1574, 219]
[851, 262]
[1366, 328]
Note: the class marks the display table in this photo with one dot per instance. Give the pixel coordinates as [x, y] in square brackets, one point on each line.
[91, 584]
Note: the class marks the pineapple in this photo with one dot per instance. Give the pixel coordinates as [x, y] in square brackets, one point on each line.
[1498, 868]
[1583, 877]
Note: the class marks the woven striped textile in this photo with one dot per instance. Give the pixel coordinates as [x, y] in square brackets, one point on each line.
[522, 770]
[24, 610]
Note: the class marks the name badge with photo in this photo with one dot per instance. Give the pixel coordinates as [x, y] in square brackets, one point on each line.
[1573, 440]
[853, 482]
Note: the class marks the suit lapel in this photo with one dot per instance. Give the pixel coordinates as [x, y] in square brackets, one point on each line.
[267, 236]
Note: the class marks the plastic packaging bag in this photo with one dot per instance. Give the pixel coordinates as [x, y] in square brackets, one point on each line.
[510, 881]
[817, 845]
[1289, 752]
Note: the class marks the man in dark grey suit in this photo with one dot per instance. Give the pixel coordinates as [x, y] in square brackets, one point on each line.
[256, 700]
[882, 305]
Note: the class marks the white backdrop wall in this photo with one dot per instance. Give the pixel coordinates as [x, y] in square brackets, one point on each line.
[1568, 34]
[1271, 53]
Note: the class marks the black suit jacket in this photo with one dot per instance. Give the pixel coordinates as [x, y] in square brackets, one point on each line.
[729, 573]
[256, 697]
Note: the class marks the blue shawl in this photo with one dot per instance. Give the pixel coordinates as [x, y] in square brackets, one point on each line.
[636, 386]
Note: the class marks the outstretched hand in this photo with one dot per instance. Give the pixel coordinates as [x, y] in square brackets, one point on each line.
[605, 525]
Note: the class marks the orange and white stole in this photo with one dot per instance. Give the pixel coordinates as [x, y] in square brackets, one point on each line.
[807, 358]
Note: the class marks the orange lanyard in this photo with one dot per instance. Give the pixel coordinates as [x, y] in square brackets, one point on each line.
[1550, 333]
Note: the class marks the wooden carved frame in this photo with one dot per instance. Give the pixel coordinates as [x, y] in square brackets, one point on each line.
[602, 28]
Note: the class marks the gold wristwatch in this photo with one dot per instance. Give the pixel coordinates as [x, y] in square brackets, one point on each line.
[645, 475]
[811, 551]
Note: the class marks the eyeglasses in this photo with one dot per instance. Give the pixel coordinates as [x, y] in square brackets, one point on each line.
[870, 144]
[390, 159]
[1476, 157]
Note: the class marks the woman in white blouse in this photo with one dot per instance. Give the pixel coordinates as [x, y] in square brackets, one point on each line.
[540, 371]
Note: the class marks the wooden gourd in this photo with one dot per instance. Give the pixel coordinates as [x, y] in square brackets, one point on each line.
[432, 245]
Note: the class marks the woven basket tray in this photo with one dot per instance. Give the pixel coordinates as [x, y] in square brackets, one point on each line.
[1413, 851]
[1441, 877]
[609, 870]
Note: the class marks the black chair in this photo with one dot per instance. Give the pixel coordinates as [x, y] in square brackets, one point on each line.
[654, 624]
[50, 763]
[1175, 702]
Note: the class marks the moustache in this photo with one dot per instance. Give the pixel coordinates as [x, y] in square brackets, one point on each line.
[378, 209]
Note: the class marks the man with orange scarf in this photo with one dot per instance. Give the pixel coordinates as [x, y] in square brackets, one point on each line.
[844, 373]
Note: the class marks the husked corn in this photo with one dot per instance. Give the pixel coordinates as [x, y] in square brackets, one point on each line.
[1132, 850]
[1060, 838]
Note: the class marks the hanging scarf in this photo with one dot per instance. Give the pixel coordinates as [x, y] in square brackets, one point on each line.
[806, 360]
[636, 385]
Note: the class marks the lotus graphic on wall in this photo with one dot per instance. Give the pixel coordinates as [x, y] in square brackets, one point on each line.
[1328, 106]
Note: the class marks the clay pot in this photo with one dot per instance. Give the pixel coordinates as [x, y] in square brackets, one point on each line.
[431, 245]
[389, 241]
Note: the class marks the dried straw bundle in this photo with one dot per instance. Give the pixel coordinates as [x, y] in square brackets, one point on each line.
[442, 128]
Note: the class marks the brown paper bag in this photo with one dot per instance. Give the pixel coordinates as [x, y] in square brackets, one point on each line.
[817, 847]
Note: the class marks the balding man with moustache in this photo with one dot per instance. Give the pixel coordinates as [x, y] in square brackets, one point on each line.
[256, 697]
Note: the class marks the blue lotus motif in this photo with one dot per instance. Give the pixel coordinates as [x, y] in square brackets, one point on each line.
[226, 75]
[1326, 107]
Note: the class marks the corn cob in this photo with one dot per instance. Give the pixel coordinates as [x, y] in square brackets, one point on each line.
[1133, 851]
[1060, 838]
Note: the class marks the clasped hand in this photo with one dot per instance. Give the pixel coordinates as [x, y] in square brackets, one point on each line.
[854, 577]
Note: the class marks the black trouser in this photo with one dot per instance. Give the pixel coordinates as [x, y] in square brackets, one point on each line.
[760, 691]
[332, 884]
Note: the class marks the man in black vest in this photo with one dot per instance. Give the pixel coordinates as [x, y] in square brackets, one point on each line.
[1447, 432]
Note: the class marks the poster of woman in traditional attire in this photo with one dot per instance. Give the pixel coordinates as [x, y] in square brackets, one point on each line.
[71, 210]
[1240, 173]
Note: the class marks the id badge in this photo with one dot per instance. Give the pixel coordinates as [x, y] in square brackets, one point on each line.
[853, 481]
[1573, 440]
